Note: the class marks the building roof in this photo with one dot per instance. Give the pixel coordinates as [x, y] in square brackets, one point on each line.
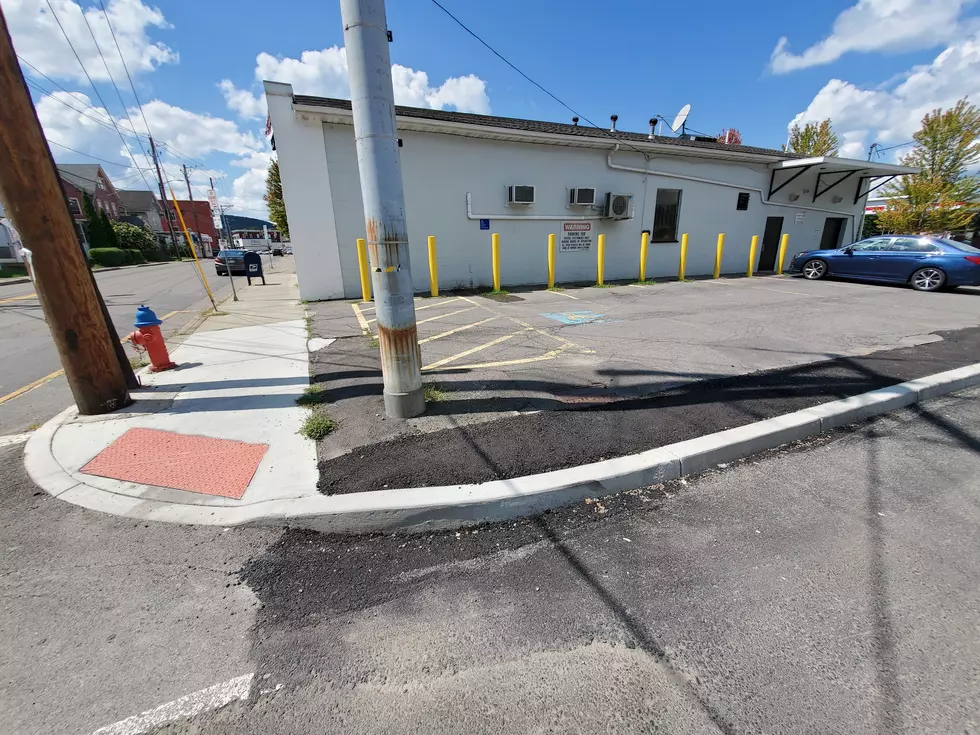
[82, 175]
[138, 200]
[842, 165]
[552, 128]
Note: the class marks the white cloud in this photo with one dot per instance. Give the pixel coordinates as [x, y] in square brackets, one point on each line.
[39, 39]
[879, 25]
[324, 74]
[194, 134]
[861, 116]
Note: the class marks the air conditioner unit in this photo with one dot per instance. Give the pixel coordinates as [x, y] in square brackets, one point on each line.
[581, 195]
[520, 194]
[618, 206]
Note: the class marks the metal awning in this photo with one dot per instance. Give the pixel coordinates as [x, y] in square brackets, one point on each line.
[837, 171]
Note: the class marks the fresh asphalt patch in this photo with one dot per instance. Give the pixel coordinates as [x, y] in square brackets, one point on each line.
[579, 434]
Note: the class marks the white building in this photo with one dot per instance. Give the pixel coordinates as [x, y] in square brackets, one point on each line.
[462, 173]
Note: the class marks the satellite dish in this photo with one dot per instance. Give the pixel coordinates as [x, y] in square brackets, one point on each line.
[681, 118]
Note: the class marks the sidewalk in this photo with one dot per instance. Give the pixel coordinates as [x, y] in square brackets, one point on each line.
[229, 409]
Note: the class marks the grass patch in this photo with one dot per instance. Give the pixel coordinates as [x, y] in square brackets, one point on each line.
[435, 394]
[309, 326]
[137, 362]
[603, 285]
[557, 289]
[374, 342]
[34, 427]
[317, 425]
[497, 292]
[12, 271]
[645, 283]
[312, 396]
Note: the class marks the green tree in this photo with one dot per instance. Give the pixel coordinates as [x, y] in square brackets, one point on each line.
[131, 237]
[813, 139]
[938, 199]
[110, 234]
[273, 198]
[97, 237]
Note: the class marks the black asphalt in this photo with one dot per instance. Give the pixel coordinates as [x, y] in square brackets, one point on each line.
[555, 439]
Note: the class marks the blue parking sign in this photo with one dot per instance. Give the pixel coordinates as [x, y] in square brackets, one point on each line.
[484, 224]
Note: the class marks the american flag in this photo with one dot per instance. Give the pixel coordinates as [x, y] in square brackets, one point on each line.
[268, 126]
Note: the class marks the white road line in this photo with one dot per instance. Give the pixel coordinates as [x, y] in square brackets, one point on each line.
[10, 439]
[191, 705]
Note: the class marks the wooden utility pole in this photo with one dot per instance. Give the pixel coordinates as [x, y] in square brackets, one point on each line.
[163, 200]
[34, 200]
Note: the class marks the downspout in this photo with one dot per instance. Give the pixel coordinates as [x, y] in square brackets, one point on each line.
[762, 196]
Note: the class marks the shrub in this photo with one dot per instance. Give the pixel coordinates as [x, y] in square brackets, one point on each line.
[157, 256]
[108, 257]
[135, 257]
[131, 237]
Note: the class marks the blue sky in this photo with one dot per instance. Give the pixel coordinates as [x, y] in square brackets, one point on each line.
[872, 66]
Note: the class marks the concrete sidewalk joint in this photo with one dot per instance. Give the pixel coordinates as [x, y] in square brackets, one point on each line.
[429, 508]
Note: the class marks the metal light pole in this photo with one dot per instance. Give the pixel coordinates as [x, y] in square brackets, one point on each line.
[224, 221]
[373, 103]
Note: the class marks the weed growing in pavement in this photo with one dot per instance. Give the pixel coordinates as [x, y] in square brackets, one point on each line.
[317, 425]
[313, 395]
[497, 292]
[557, 289]
[644, 283]
[34, 427]
[374, 342]
[603, 285]
[137, 362]
[309, 326]
[435, 394]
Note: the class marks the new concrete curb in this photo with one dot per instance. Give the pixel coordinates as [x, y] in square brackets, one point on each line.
[419, 509]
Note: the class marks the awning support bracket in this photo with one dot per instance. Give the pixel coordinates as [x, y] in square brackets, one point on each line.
[816, 189]
[858, 194]
[772, 179]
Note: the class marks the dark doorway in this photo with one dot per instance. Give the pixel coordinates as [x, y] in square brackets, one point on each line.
[833, 233]
[770, 243]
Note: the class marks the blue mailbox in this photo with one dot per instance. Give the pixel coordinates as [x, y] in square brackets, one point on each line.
[253, 267]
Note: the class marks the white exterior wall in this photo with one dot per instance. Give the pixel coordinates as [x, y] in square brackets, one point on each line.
[439, 169]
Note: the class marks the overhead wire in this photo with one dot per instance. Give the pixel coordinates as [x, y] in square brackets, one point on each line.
[42, 90]
[125, 67]
[504, 59]
[94, 88]
[95, 158]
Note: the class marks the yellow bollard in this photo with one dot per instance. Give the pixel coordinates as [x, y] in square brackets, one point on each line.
[362, 262]
[752, 251]
[719, 250]
[644, 246]
[433, 267]
[601, 265]
[551, 260]
[683, 266]
[782, 254]
[495, 256]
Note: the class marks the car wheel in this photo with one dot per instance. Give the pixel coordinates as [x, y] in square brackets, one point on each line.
[814, 269]
[928, 279]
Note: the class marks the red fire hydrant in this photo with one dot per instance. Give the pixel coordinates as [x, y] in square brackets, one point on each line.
[148, 336]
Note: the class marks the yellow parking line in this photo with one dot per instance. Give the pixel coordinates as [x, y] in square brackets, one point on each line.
[519, 361]
[18, 298]
[433, 318]
[454, 331]
[167, 316]
[360, 319]
[478, 348]
[31, 386]
[441, 302]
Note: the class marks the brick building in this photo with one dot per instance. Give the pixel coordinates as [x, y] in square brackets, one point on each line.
[207, 238]
[88, 178]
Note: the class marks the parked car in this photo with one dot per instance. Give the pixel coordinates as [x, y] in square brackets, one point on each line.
[288, 250]
[277, 250]
[925, 263]
[233, 259]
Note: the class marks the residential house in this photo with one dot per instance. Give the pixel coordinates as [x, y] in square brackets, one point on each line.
[145, 208]
[11, 249]
[88, 178]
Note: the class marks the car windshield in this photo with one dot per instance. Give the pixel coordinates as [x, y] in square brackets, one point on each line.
[233, 253]
[965, 247]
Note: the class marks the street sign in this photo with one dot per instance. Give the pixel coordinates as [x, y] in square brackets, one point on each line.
[484, 224]
[575, 237]
[212, 199]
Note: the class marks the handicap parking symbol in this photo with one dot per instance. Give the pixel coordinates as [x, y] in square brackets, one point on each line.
[575, 317]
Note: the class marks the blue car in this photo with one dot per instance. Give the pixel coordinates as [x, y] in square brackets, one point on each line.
[926, 263]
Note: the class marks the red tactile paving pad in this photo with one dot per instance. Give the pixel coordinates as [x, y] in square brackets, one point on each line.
[199, 464]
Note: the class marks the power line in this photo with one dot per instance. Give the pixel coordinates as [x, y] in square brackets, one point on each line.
[94, 88]
[89, 155]
[42, 90]
[512, 66]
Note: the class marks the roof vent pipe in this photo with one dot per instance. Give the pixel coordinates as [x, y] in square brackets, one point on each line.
[612, 123]
[653, 126]
[575, 121]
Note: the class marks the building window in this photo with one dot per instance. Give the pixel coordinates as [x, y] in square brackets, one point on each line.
[115, 212]
[74, 207]
[743, 201]
[666, 215]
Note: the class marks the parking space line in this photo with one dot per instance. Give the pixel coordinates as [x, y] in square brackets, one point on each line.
[566, 295]
[18, 298]
[454, 331]
[517, 361]
[433, 318]
[478, 348]
[440, 303]
[31, 386]
[360, 319]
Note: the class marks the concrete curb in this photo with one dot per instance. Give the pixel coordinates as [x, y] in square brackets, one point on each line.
[419, 509]
[14, 281]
